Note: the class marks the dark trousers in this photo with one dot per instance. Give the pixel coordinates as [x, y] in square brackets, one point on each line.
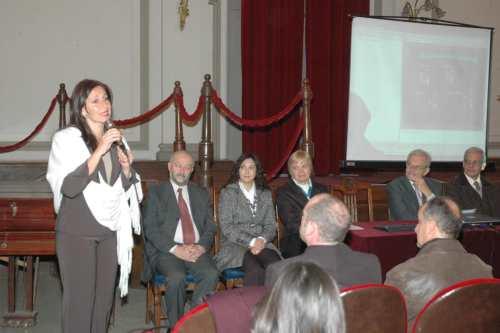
[175, 270]
[292, 245]
[88, 267]
[255, 266]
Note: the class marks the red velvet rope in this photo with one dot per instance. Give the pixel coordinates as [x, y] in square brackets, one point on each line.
[254, 122]
[190, 119]
[38, 128]
[146, 116]
[300, 126]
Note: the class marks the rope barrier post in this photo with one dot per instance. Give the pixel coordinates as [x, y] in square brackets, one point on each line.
[62, 99]
[206, 148]
[307, 143]
[179, 143]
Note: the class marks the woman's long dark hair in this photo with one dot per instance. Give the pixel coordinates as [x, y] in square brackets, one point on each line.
[80, 94]
[304, 299]
[260, 180]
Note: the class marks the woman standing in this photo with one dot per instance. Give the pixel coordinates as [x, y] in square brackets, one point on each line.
[247, 222]
[96, 205]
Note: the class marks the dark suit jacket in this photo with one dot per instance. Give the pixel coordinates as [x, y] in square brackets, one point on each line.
[290, 200]
[403, 202]
[346, 266]
[466, 196]
[161, 216]
[232, 309]
[439, 264]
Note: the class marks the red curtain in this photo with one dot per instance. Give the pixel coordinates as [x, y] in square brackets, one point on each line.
[272, 42]
[327, 47]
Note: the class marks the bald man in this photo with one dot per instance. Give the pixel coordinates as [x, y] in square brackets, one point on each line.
[179, 233]
[441, 261]
[325, 222]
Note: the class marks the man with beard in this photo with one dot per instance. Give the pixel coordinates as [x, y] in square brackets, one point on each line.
[179, 232]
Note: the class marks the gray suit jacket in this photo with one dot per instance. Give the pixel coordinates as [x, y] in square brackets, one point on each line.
[403, 202]
[346, 266]
[238, 227]
[161, 216]
[439, 264]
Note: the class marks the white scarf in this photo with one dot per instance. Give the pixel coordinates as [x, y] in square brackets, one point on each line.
[111, 205]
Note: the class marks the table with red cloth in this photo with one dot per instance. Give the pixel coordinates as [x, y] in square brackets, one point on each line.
[393, 248]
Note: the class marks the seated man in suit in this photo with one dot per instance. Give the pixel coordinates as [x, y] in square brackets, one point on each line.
[408, 193]
[472, 191]
[291, 199]
[179, 232]
[325, 222]
[441, 261]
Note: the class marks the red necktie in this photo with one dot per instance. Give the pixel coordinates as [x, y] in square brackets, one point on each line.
[187, 224]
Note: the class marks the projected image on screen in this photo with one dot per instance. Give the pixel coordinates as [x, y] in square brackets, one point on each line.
[433, 83]
[415, 85]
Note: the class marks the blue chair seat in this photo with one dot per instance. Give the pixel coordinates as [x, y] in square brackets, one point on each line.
[233, 273]
[160, 279]
[233, 277]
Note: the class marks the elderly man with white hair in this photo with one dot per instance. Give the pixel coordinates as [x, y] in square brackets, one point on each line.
[408, 193]
[473, 191]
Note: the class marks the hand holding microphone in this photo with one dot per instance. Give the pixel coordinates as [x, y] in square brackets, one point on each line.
[124, 155]
[119, 143]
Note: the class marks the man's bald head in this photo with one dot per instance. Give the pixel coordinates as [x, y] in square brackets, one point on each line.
[180, 167]
[330, 215]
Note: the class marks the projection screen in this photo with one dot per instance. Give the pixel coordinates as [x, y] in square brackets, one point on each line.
[416, 85]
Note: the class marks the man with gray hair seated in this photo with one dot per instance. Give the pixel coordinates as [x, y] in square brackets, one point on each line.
[408, 193]
[441, 261]
[471, 190]
[325, 223]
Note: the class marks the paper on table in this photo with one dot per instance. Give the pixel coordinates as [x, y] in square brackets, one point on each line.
[468, 211]
[355, 227]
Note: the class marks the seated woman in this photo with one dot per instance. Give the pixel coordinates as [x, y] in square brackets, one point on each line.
[291, 199]
[247, 222]
[304, 299]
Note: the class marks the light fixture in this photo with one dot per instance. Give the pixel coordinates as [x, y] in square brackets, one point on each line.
[413, 10]
[183, 11]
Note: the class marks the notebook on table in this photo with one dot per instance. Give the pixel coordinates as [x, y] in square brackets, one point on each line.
[471, 218]
[396, 227]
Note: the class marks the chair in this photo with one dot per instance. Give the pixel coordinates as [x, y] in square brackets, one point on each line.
[348, 190]
[154, 293]
[374, 308]
[199, 319]
[468, 306]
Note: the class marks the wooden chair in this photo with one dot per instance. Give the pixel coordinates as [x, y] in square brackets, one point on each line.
[199, 319]
[374, 308]
[155, 289]
[468, 306]
[349, 192]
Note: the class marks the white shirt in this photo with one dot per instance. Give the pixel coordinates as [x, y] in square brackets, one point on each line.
[249, 194]
[178, 232]
[471, 181]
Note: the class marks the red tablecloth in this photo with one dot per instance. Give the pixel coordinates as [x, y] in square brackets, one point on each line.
[392, 248]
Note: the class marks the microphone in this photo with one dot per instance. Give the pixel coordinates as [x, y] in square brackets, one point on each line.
[118, 143]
